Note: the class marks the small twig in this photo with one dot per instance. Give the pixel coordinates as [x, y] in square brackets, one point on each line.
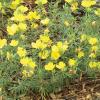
[3, 30]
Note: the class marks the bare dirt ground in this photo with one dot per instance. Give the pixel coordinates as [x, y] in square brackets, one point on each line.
[80, 89]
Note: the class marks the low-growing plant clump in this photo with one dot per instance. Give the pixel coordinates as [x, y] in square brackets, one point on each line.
[45, 44]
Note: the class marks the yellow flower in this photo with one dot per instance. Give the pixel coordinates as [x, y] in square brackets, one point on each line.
[58, 49]
[61, 65]
[55, 48]
[46, 31]
[39, 45]
[92, 55]
[44, 38]
[55, 52]
[22, 26]
[93, 41]
[62, 46]
[34, 25]
[74, 6]
[31, 63]
[94, 48]
[28, 73]
[59, 44]
[65, 46]
[93, 64]
[44, 54]
[80, 54]
[21, 52]
[55, 55]
[66, 23]
[88, 3]
[33, 15]
[97, 12]
[45, 21]
[3, 42]
[24, 61]
[36, 45]
[15, 3]
[50, 66]
[21, 9]
[72, 62]
[41, 1]
[69, 1]
[25, 73]
[27, 62]
[14, 43]
[83, 37]
[19, 17]
[12, 29]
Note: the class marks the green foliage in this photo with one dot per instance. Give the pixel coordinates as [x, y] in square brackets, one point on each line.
[22, 66]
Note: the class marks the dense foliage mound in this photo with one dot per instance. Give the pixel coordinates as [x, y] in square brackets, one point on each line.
[45, 44]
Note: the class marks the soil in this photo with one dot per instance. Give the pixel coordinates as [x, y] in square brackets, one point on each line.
[80, 89]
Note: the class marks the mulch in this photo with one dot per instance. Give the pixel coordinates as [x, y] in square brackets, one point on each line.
[79, 89]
